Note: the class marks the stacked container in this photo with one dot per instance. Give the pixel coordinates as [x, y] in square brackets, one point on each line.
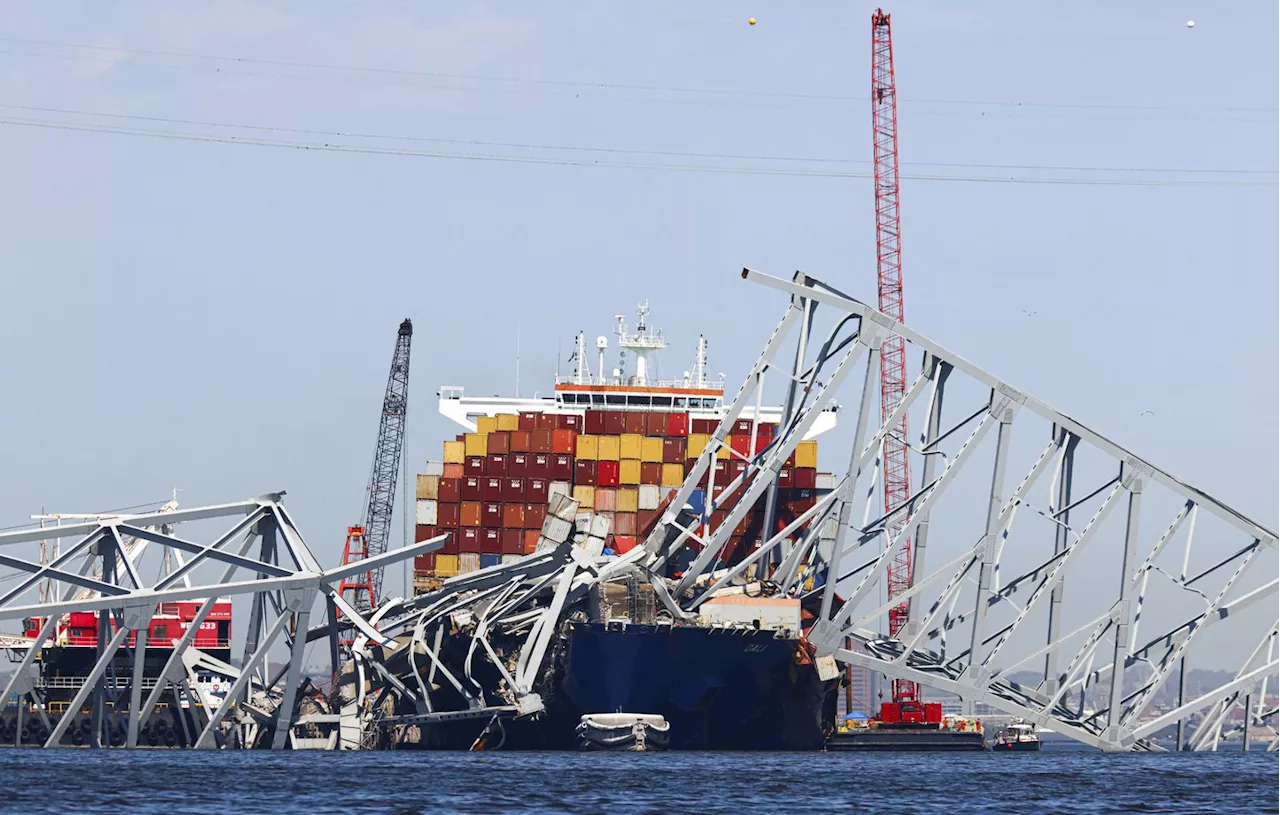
[490, 493]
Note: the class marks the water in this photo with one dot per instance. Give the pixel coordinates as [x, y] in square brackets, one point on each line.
[1056, 780]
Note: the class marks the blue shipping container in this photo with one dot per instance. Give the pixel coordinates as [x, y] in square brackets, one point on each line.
[698, 501]
[490, 560]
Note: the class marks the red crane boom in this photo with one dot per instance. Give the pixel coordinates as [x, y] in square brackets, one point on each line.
[893, 363]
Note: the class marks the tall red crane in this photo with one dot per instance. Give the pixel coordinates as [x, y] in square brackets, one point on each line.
[893, 362]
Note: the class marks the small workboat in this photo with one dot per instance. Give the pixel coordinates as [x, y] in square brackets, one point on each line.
[1018, 735]
[630, 732]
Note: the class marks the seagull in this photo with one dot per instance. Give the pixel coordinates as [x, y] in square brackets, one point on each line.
[1147, 413]
[1030, 313]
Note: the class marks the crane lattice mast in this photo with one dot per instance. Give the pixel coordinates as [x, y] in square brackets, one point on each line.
[371, 539]
[893, 363]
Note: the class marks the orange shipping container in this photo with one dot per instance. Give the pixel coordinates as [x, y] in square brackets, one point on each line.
[606, 499]
[499, 444]
[513, 516]
[470, 514]
[531, 540]
[454, 471]
[520, 441]
[564, 442]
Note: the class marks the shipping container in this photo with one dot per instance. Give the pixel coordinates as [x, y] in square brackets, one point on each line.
[447, 515]
[491, 541]
[492, 515]
[673, 451]
[520, 441]
[546, 421]
[424, 532]
[535, 490]
[559, 488]
[424, 563]
[588, 448]
[534, 514]
[786, 478]
[455, 452]
[698, 501]
[518, 465]
[508, 421]
[468, 540]
[471, 513]
[539, 465]
[486, 424]
[468, 562]
[448, 491]
[624, 523]
[672, 475]
[646, 520]
[705, 426]
[651, 471]
[531, 540]
[677, 424]
[507, 560]
[498, 444]
[629, 471]
[647, 496]
[655, 423]
[471, 489]
[513, 541]
[559, 469]
[741, 443]
[540, 441]
[564, 442]
[447, 565]
[607, 515]
[805, 478]
[491, 489]
[434, 468]
[633, 422]
[488, 561]
[807, 454]
[610, 448]
[651, 449]
[477, 444]
[513, 490]
[593, 422]
[606, 499]
[454, 471]
[741, 426]
[569, 421]
[627, 499]
[629, 445]
[584, 472]
[623, 543]
[528, 421]
[513, 516]
[428, 487]
[607, 473]
[615, 423]
[584, 495]
[696, 444]
[426, 512]
[475, 465]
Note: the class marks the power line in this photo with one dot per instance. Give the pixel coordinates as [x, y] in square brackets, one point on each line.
[572, 162]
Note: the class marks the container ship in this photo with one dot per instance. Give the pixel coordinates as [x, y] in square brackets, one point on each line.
[620, 445]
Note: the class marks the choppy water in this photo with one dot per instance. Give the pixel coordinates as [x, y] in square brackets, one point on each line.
[175, 782]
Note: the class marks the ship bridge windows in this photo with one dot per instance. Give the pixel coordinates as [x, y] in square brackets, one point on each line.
[662, 401]
[614, 399]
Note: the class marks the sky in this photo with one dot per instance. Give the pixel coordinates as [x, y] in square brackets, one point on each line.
[215, 218]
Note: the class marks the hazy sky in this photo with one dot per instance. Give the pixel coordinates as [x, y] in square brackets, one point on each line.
[218, 317]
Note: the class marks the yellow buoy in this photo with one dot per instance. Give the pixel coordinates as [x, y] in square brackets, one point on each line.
[751, 21]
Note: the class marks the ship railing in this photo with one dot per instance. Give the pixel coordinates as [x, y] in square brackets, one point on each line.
[119, 682]
[168, 642]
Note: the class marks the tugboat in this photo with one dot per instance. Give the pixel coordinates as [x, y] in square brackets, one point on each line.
[1018, 735]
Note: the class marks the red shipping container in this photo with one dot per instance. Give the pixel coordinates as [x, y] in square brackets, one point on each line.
[623, 543]
[786, 478]
[513, 516]
[470, 489]
[528, 421]
[607, 473]
[655, 423]
[707, 426]
[584, 473]
[492, 515]
[475, 465]
[564, 442]
[546, 421]
[741, 426]
[513, 541]
[678, 424]
[535, 490]
[491, 489]
[424, 563]
[424, 532]
[450, 491]
[801, 505]
[673, 450]
[569, 421]
[513, 490]
[560, 469]
[539, 466]
[650, 472]
[646, 520]
[737, 468]
[540, 441]
[615, 423]
[495, 465]
[447, 515]
[468, 541]
[450, 545]
[518, 465]
[593, 422]
[633, 422]
[519, 441]
[531, 541]
[471, 513]
[534, 515]
[767, 430]
[455, 471]
[490, 541]
[806, 478]
[499, 442]
[740, 443]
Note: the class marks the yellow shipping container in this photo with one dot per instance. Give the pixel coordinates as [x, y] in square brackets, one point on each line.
[486, 424]
[697, 443]
[672, 475]
[447, 565]
[508, 421]
[455, 452]
[651, 449]
[588, 448]
[477, 444]
[610, 448]
[807, 454]
[585, 496]
[627, 499]
[629, 473]
[428, 487]
[629, 446]
[722, 452]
